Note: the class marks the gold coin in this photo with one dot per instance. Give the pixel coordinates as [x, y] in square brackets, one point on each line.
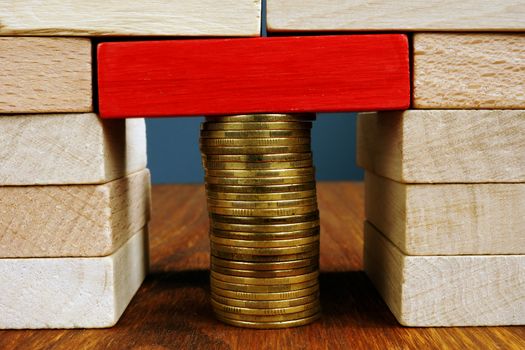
[265, 281]
[260, 173]
[265, 304]
[309, 186]
[264, 258]
[262, 289]
[260, 204]
[254, 296]
[261, 196]
[270, 325]
[260, 181]
[272, 231]
[265, 266]
[267, 117]
[255, 149]
[257, 166]
[265, 251]
[242, 142]
[264, 243]
[256, 125]
[265, 236]
[269, 318]
[217, 306]
[287, 219]
[247, 134]
[265, 274]
[262, 212]
[257, 158]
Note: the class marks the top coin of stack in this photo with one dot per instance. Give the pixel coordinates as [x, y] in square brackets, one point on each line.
[264, 226]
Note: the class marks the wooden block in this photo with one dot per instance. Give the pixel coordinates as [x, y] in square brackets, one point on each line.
[64, 149]
[132, 17]
[232, 76]
[413, 15]
[72, 292]
[75, 220]
[448, 219]
[44, 75]
[443, 146]
[436, 291]
[468, 71]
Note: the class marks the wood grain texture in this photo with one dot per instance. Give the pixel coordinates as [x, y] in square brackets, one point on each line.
[45, 75]
[75, 220]
[413, 15]
[172, 308]
[443, 146]
[66, 149]
[436, 291]
[133, 17]
[469, 71]
[448, 219]
[72, 292]
[233, 76]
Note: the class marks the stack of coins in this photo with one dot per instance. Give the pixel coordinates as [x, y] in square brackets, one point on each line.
[264, 221]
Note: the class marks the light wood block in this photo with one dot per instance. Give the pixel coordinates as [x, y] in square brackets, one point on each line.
[64, 149]
[76, 220]
[44, 75]
[469, 71]
[72, 292]
[413, 15]
[448, 219]
[435, 291]
[132, 17]
[443, 146]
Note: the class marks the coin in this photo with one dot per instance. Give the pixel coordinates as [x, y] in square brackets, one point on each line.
[255, 296]
[270, 325]
[286, 219]
[264, 243]
[260, 181]
[217, 306]
[265, 266]
[265, 281]
[265, 236]
[256, 125]
[263, 117]
[261, 196]
[269, 318]
[262, 289]
[262, 212]
[255, 165]
[262, 189]
[261, 173]
[263, 258]
[293, 230]
[247, 134]
[261, 204]
[251, 158]
[265, 304]
[265, 251]
[255, 149]
[242, 142]
[264, 274]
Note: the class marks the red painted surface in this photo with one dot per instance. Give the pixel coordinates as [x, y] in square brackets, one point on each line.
[231, 76]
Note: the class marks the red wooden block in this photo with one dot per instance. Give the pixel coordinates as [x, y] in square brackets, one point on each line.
[232, 76]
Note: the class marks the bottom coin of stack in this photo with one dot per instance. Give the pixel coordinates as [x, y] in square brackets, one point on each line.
[264, 221]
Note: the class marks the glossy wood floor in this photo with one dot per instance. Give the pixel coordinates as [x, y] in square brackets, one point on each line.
[171, 310]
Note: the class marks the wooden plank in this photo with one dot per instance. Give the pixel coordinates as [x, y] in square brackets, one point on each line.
[443, 146]
[45, 149]
[72, 292]
[469, 71]
[435, 291]
[73, 220]
[45, 75]
[448, 219]
[132, 17]
[289, 74]
[413, 15]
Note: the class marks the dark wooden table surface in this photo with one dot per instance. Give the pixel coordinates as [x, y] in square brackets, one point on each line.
[171, 309]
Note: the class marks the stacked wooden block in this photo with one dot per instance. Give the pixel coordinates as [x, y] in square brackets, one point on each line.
[445, 180]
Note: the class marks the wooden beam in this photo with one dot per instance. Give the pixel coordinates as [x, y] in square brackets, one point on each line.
[446, 291]
[131, 17]
[443, 146]
[381, 15]
[231, 76]
[45, 75]
[448, 219]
